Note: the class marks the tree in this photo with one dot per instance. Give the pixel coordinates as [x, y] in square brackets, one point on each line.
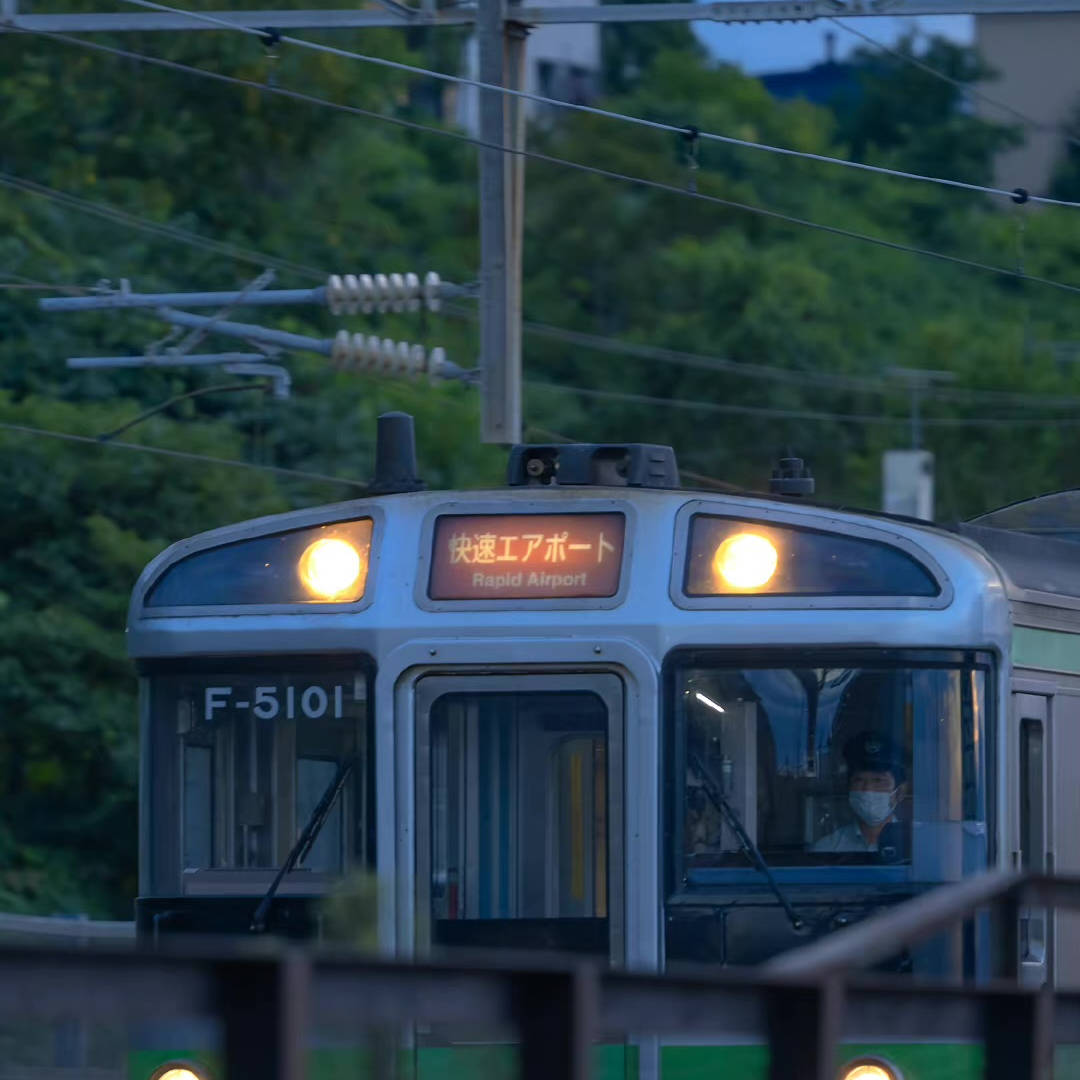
[341, 193]
[1066, 180]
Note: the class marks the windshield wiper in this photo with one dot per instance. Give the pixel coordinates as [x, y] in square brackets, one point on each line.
[308, 835]
[727, 812]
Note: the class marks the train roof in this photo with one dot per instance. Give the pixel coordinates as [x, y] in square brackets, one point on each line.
[1036, 542]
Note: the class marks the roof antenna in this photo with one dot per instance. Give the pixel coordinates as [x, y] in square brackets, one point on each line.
[395, 456]
[791, 476]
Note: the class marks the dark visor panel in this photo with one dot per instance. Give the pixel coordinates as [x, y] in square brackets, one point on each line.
[325, 564]
[731, 557]
[526, 556]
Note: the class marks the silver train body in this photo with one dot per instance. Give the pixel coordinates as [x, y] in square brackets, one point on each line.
[529, 770]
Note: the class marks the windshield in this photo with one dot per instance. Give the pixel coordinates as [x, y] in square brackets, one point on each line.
[832, 762]
[252, 753]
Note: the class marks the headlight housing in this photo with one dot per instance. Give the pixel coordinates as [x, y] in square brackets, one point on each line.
[325, 564]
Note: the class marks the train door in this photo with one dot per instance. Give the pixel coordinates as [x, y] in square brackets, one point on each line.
[519, 812]
[1048, 741]
[1063, 837]
[1031, 714]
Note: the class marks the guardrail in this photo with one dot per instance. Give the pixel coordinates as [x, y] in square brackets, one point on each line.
[801, 1004]
[57, 928]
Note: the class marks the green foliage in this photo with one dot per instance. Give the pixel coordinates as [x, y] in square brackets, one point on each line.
[341, 193]
[905, 117]
[1066, 183]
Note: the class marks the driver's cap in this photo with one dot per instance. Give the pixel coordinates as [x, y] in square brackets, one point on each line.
[870, 751]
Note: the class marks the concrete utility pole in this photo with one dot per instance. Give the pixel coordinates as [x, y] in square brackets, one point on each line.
[907, 476]
[501, 45]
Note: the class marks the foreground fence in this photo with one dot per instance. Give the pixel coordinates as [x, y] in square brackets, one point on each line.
[802, 1004]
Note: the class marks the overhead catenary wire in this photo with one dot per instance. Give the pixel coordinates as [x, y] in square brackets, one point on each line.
[171, 232]
[1016, 194]
[185, 455]
[966, 88]
[567, 163]
[176, 399]
[747, 369]
[727, 408]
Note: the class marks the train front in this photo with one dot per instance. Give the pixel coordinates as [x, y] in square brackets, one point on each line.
[591, 712]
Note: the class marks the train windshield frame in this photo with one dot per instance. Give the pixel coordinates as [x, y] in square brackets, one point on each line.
[867, 768]
[239, 751]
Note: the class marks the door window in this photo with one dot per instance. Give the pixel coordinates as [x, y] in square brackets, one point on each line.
[520, 819]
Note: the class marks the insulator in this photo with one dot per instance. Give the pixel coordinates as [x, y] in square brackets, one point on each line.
[417, 360]
[432, 290]
[341, 352]
[412, 292]
[382, 292]
[372, 352]
[384, 356]
[350, 289]
[335, 291]
[350, 293]
[401, 359]
[366, 293]
[436, 364]
[359, 356]
[397, 292]
[389, 357]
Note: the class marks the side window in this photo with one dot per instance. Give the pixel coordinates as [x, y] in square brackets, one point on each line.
[1032, 796]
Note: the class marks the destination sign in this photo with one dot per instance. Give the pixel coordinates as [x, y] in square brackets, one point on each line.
[526, 556]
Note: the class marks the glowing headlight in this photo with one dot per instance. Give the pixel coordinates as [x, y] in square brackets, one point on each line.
[870, 1069]
[330, 569]
[745, 561]
[177, 1072]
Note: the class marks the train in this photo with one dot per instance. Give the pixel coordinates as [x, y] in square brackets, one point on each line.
[596, 712]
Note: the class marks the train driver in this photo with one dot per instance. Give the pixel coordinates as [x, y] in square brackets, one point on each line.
[876, 778]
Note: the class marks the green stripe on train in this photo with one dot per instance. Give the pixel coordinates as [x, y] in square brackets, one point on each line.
[915, 1061]
[1046, 650]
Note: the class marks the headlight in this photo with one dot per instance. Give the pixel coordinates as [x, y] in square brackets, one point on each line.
[870, 1069]
[329, 569]
[745, 561]
[176, 1070]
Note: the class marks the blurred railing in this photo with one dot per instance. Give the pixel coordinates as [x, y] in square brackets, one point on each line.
[269, 998]
[54, 928]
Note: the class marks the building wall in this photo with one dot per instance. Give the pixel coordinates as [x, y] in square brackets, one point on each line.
[1037, 58]
[561, 61]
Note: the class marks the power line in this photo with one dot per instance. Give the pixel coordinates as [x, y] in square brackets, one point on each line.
[801, 414]
[184, 455]
[593, 110]
[108, 436]
[133, 221]
[966, 88]
[33, 283]
[567, 163]
[745, 369]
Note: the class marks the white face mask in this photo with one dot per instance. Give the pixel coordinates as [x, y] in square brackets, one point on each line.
[872, 807]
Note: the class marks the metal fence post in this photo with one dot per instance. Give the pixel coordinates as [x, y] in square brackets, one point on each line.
[264, 1005]
[803, 1024]
[1019, 1035]
[556, 1017]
